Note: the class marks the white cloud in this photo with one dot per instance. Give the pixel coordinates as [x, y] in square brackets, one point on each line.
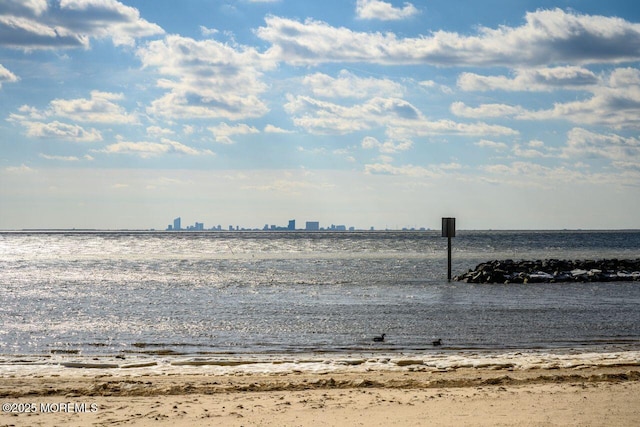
[485, 143]
[322, 117]
[37, 7]
[369, 142]
[582, 143]
[61, 158]
[547, 37]
[442, 127]
[206, 79]
[7, 76]
[223, 132]
[430, 84]
[22, 169]
[147, 149]
[535, 149]
[402, 120]
[208, 31]
[486, 110]
[274, 129]
[537, 79]
[100, 108]
[348, 85]
[38, 24]
[536, 143]
[157, 131]
[387, 147]
[62, 131]
[377, 9]
[614, 103]
[432, 171]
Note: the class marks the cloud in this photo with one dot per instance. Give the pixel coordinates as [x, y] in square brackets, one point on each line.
[7, 76]
[529, 80]
[22, 169]
[615, 102]
[485, 143]
[62, 131]
[147, 149]
[65, 158]
[41, 24]
[402, 120]
[347, 85]
[376, 9]
[582, 143]
[157, 131]
[533, 149]
[442, 127]
[529, 174]
[433, 171]
[486, 110]
[274, 129]
[99, 108]
[206, 79]
[546, 37]
[322, 117]
[208, 31]
[430, 84]
[386, 147]
[223, 132]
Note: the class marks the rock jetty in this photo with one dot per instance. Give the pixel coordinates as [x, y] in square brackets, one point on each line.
[553, 270]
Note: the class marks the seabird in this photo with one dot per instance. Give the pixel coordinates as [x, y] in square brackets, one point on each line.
[437, 342]
[379, 339]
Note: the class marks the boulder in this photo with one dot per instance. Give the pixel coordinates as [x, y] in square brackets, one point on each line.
[553, 270]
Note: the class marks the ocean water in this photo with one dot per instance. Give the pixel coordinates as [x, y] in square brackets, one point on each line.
[259, 294]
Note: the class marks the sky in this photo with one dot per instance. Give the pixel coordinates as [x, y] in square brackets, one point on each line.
[368, 113]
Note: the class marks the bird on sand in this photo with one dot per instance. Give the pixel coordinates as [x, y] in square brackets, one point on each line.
[379, 339]
[437, 342]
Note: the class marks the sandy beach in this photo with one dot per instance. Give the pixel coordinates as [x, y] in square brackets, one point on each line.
[477, 396]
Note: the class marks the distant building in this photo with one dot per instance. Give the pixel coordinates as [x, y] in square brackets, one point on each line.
[312, 226]
[177, 224]
[199, 226]
[292, 225]
[170, 227]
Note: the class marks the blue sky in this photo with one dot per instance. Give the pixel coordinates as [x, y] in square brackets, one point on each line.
[126, 114]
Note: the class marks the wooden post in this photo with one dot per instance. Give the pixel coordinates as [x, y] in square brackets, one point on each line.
[448, 231]
[449, 259]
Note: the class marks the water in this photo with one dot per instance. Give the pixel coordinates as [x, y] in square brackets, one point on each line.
[266, 293]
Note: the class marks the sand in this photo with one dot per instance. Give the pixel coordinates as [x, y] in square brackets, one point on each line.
[591, 396]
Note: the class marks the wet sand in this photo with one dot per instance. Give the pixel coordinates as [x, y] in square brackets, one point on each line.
[586, 396]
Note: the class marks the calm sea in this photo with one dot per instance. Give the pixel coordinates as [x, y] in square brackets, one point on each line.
[110, 293]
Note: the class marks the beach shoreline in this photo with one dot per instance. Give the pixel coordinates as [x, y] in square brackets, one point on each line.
[604, 393]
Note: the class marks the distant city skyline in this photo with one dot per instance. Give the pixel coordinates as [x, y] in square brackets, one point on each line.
[291, 226]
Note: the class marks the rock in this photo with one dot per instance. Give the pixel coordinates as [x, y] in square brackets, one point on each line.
[552, 270]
